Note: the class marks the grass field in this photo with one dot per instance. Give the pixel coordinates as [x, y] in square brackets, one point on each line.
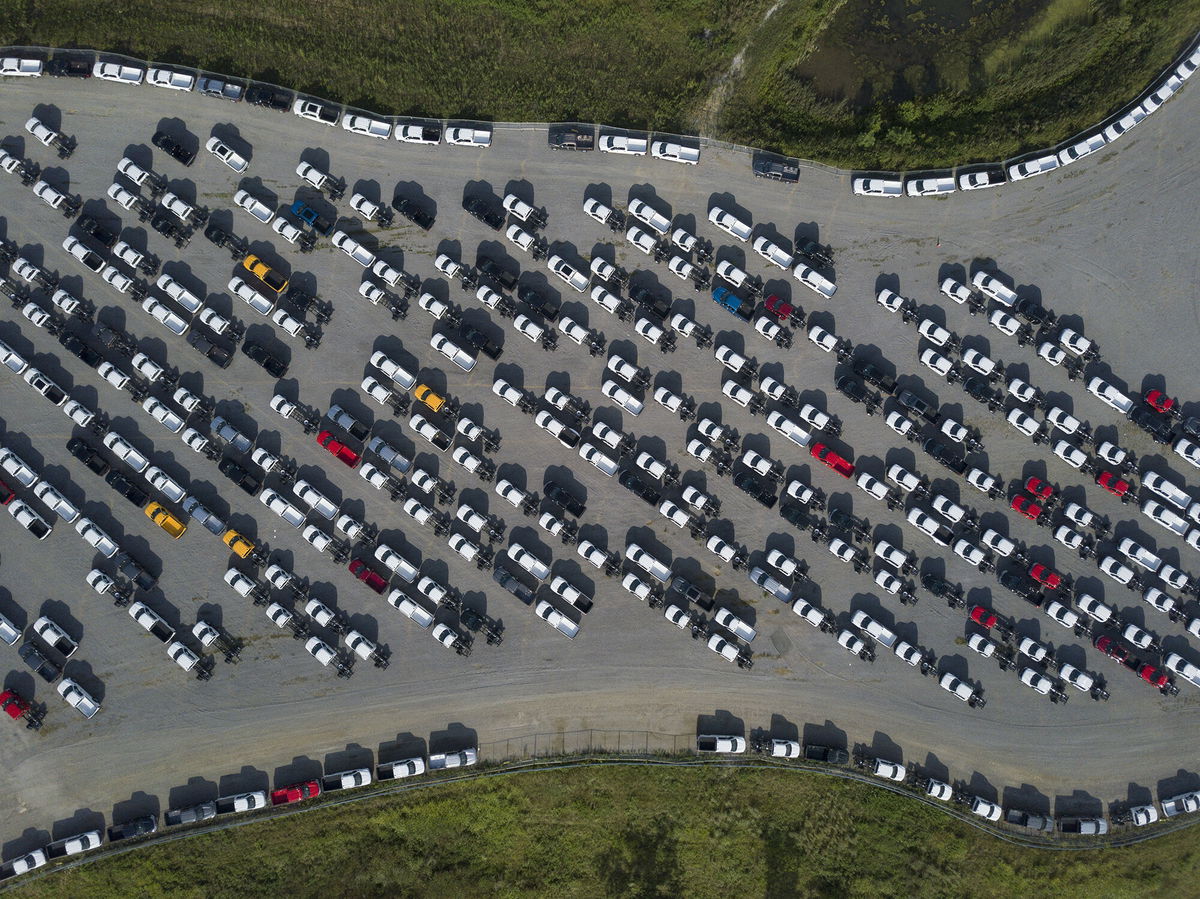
[630, 832]
[899, 85]
[643, 61]
[894, 84]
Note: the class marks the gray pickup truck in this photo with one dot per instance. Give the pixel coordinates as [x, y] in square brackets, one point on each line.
[192, 814]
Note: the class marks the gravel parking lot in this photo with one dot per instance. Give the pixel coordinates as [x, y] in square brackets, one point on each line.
[1105, 243]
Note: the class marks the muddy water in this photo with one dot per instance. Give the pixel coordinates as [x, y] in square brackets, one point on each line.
[895, 50]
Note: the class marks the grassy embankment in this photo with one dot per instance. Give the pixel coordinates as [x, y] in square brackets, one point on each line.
[894, 84]
[631, 832]
[901, 85]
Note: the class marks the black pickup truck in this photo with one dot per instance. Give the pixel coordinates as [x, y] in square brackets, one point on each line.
[413, 213]
[538, 302]
[557, 493]
[572, 139]
[775, 168]
[239, 476]
[79, 348]
[497, 272]
[509, 582]
[131, 491]
[487, 212]
[70, 66]
[106, 237]
[481, 342]
[826, 754]
[271, 97]
[138, 827]
[88, 455]
[42, 666]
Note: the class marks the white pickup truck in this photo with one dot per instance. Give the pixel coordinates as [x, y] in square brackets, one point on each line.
[469, 137]
[873, 629]
[1178, 805]
[620, 143]
[242, 802]
[462, 759]
[720, 743]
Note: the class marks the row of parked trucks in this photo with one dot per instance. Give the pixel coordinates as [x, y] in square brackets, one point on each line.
[1137, 815]
[237, 803]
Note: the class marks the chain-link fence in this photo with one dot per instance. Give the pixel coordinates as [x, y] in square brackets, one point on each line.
[591, 741]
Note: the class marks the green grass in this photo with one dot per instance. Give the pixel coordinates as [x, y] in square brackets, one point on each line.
[642, 61]
[892, 84]
[631, 832]
[907, 84]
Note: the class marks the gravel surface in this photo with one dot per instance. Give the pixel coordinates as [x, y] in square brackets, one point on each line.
[1099, 242]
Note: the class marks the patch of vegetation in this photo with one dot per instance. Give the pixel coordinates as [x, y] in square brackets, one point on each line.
[906, 84]
[642, 62]
[891, 84]
[628, 831]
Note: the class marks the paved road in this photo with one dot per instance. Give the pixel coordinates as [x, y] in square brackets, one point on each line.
[1106, 242]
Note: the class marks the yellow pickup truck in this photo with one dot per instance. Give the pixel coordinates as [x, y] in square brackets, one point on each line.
[425, 394]
[255, 266]
[163, 517]
[241, 546]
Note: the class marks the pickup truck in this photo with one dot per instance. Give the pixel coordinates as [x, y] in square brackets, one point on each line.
[312, 218]
[413, 213]
[270, 97]
[152, 621]
[400, 769]
[826, 754]
[776, 170]
[1178, 805]
[138, 827]
[219, 87]
[241, 802]
[56, 638]
[572, 139]
[469, 137]
[743, 309]
[64, 66]
[485, 210]
[42, 666]
[81, 842]
[873, 629]
[1083, 826]
[481, 342]
[346, 780]
[419, 134]
[1032, 822]
[464, 758]
[497, 272]
[621, 143]
[192, 814]
[720, 743]
[509, 582]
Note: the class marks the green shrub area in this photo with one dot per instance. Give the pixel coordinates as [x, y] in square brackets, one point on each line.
[631, 831]
[896, 85]
[891, 84]
[645, 62]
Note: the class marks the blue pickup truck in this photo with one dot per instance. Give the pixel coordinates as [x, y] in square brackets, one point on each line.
[312, 218]
[743, 309]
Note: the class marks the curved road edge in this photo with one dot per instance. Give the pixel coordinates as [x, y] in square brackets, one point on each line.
[534, 766]
[1193, 47]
